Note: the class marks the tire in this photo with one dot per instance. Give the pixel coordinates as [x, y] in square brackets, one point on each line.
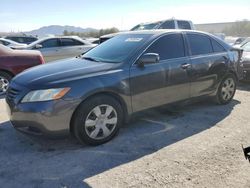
[4, 82]
[97, 120]
[226, 90]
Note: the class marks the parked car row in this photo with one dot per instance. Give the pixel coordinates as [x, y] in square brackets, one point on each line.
[92, 95]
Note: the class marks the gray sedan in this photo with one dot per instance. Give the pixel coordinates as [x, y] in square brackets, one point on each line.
[56, 48]
[93, 95]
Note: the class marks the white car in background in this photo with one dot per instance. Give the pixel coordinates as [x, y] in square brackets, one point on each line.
[10, 43]
[56, 48]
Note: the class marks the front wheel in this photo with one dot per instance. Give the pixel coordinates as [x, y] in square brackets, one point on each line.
[97, 120]
[226, 89]
[4, 82]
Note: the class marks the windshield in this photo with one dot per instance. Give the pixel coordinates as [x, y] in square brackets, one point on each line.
[145, 26]
[246, 47]
[117, 49]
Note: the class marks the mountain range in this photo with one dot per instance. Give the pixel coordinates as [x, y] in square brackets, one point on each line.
[58, 30]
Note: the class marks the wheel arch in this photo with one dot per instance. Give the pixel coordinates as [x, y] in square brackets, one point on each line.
[8, 72]
[107, 93]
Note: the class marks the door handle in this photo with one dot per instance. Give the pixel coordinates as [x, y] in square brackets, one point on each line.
[185, 65]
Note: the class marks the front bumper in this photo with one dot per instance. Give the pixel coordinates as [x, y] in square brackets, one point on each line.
[51, 118]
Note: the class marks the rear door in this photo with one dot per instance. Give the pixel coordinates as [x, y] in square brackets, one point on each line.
[164, 82]
[208, 59]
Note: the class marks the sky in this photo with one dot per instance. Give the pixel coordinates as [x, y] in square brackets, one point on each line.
[26, 15]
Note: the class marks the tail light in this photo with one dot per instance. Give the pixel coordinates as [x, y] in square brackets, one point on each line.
[41, 59]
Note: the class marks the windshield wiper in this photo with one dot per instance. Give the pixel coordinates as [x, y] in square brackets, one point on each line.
[91, 59]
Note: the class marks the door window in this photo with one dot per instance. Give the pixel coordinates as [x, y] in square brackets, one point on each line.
[199, 44]
[168, 47]
[217, 47]
[70, 42]
[183, 25]
[50, 43]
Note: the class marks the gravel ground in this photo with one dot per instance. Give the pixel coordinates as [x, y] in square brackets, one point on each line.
[198, 145]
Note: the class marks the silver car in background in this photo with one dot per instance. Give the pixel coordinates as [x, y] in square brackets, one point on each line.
[56, 48]
[10, 43]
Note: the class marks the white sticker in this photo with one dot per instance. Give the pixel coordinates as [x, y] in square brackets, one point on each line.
[133, 39]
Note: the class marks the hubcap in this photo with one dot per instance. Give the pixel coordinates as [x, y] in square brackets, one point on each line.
[4, 85]
[228, 89]
[101, 122]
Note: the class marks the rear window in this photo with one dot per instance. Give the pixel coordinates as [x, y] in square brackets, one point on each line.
[183, 25]
[168, 25]
[199, 44]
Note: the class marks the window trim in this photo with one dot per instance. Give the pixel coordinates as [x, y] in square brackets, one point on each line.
[184, 46]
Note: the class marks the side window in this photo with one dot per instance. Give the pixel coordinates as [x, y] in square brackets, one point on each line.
[70, 42]
[168, 25]
[199, 44]
[217, 47]
[183, 25]
[50, 43]
[168, 47]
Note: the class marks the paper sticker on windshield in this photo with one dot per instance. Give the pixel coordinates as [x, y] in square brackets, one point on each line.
[133, 39]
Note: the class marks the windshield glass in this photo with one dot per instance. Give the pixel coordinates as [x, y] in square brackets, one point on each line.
[117, 49]
[246, 47]
[145, 26]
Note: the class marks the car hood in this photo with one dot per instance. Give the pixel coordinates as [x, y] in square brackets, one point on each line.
[61, 72]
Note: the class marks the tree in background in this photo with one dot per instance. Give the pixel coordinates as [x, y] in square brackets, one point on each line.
[239, 28]
[94, 34]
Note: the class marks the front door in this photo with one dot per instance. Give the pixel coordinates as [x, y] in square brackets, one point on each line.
[164, 82]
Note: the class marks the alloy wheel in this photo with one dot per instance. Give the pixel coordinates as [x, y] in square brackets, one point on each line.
[228, 89]
[4, 85]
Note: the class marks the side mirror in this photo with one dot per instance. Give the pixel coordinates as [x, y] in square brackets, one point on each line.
[149, 58]
[38, 46]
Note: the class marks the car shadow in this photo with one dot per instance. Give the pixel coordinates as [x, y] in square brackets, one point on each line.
[36, 161]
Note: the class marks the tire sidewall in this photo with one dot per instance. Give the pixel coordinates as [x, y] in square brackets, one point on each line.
[82, 113]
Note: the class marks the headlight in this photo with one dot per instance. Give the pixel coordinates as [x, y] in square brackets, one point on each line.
[45, 95]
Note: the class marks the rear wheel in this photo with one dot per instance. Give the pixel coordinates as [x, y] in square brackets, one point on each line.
[226, 89]
[97, 120]
[4, 82]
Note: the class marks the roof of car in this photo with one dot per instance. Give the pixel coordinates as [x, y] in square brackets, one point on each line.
[162, 31]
